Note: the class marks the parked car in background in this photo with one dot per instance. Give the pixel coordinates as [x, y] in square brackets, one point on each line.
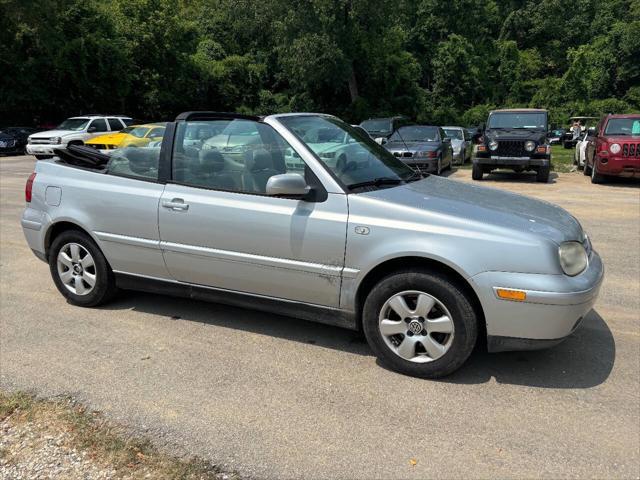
[425, 148]
[569, 138]
[73, 131]
[555, 136]
[381, 129]
[131, 136]
[515, 139]
[13, 140]
[614, 149]
[424, 266]
[579, 153]
[460, 143]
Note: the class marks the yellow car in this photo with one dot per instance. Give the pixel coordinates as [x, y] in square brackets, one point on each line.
[132, 136]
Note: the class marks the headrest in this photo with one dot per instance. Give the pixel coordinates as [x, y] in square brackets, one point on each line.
[259, 159]
[141, 159]
[211, 161]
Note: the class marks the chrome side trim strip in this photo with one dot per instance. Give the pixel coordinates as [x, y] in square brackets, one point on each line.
[318, 268]
[127, 240]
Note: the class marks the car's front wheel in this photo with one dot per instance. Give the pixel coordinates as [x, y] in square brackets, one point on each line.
[420, 324]
[477, 172]
[542, 174]
[80, 271]
[595, 176]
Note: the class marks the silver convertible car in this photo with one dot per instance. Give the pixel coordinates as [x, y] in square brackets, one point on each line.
[427, 267]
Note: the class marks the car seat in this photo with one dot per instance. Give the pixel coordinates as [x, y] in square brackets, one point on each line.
[258, 169]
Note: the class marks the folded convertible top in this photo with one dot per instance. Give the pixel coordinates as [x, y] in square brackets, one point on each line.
[82, 156]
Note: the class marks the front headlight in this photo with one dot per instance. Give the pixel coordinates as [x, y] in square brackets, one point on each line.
[573, 258]
[529, 145]
[614, 148]
[493, 145]
[56, 140]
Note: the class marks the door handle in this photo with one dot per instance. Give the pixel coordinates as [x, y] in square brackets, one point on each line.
[176, 204]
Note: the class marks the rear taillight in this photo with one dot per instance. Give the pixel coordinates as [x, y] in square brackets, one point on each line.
[29, 187]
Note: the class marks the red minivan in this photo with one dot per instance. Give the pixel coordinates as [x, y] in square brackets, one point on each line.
[614, 150]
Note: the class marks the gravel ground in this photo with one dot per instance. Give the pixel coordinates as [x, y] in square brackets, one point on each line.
[30, 451]
[274, 397]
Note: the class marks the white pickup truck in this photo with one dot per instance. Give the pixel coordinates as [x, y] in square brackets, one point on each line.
[74, 131]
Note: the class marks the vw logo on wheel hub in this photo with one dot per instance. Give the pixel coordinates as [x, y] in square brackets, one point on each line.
[415, 327]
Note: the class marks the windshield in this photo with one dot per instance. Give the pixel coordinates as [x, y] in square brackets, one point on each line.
[138, 132]
[415, 133]
[524, 120]
[623, 126]
[353, 157]
[74, 124]
[377, 125]
[454, 133]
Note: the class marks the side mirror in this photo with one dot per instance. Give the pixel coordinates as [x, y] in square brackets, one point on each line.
[380, 140]
[591, 132]
[288, 185]
[91, 129]
[446, 140]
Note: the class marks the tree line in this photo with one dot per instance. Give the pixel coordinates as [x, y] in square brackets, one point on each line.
[436, 61]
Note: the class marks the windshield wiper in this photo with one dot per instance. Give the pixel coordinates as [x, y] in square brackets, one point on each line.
[376, 182]
[416, 176]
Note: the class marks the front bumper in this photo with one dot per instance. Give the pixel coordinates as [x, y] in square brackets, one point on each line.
[42, 149]
[426, 165]
[554, 308]
[498, 161]
[619, 166]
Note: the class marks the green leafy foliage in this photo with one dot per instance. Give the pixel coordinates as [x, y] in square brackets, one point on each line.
[433, 60]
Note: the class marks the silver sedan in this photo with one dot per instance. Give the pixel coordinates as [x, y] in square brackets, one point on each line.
[347, 234]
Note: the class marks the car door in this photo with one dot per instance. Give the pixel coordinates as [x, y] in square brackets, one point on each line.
[218, 228]
[97, 127]
[115, 125]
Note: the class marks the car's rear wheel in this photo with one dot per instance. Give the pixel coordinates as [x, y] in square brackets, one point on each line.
[420, 324]
[80, 271]
[477, 172]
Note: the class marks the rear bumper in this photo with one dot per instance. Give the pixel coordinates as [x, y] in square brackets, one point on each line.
[34, 226]
[555, 306]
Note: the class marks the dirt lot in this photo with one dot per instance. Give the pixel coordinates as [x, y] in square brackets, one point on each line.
[275, 397]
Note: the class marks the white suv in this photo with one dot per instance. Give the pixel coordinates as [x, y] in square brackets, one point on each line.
[74, 131]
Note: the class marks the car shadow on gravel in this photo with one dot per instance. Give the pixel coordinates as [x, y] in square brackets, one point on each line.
[585, 359]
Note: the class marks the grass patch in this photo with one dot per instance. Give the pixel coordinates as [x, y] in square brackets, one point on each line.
[561, 158]
[107, 444]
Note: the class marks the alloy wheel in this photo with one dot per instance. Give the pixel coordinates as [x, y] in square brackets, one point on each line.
[416, 326]
[76, 269]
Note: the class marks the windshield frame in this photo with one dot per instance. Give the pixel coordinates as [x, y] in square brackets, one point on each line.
[81, 127]
[543, 128]
[408, 174]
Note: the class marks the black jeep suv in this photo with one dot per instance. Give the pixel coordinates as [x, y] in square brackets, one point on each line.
[514, 139]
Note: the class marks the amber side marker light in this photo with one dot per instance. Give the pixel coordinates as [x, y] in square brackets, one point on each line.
[513, 295]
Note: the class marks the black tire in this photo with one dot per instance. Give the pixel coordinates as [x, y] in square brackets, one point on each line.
[462, 313]
[586, 171]
[105, 285]
[43, 157]
[477, 172]
[566, 145]
[542, 174]
[595, 176]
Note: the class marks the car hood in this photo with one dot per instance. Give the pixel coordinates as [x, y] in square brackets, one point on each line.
[412, 146]
[515, 134]
[6, 136]
[622, 139]
[54, 133]
[483, 206]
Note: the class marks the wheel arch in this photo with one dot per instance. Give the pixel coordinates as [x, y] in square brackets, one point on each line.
[413, 262]
[55, 229]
